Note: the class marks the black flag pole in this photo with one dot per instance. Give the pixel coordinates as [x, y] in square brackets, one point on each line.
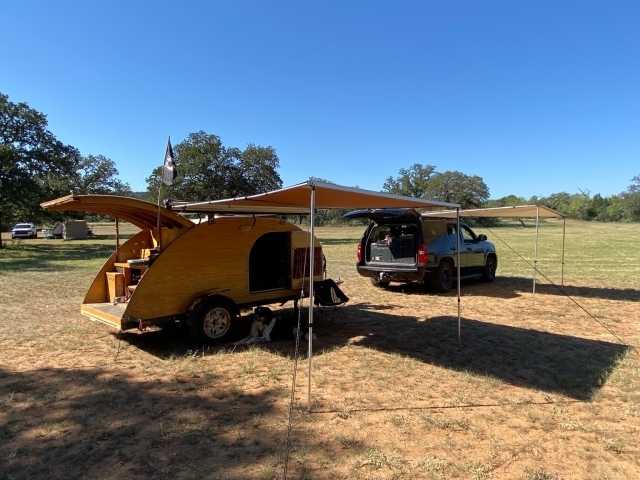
[169, 174]
[159, 228]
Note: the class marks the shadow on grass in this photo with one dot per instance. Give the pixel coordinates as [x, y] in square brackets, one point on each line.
[51, 257]
[174, 340]
[107, 424]
[559, 364]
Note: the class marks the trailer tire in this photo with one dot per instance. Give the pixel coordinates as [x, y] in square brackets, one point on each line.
[214, 321]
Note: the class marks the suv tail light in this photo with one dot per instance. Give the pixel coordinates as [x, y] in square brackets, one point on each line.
[422, 254]
[359, 253]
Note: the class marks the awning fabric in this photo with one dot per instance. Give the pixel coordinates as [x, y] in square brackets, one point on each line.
[529, 211]
[142, 214]
[296, 200]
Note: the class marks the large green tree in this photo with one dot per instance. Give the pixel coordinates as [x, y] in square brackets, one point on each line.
[97, 175]
[207, 170]
[30, 158]
[631, 199]
[411, 182]
[35, 166]
[424, 182]
[469, 191]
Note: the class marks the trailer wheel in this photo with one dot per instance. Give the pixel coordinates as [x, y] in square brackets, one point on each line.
[214, 321]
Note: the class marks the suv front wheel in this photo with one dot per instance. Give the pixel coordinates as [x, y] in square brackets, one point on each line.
[489, 270]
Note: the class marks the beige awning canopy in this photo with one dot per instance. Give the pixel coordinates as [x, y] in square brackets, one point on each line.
[297, 200]
[529, 211]
[142, 214]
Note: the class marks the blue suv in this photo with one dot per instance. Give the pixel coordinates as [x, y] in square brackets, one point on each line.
[400, 245]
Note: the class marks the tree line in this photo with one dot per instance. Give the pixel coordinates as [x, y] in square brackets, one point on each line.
[35, 166]
[423, 181]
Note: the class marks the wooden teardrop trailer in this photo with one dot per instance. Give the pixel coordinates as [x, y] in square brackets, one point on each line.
[202, 274]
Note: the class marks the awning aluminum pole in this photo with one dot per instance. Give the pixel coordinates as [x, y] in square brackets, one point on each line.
[458, 272]
[535, 255]
[564, 225]
[311, 269]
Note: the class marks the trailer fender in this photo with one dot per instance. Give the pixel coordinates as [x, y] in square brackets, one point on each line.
[201, 302]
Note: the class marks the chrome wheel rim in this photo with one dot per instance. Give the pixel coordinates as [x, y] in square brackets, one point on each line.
[216, 323]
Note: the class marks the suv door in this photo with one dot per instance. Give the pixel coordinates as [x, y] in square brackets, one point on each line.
[452, 242]
[474, 250]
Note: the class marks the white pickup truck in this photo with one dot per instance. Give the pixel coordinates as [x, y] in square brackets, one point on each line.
[24, 230]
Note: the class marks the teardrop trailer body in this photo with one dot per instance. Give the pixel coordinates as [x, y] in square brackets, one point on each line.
[201, 274]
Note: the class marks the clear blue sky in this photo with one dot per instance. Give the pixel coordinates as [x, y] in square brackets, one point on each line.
[535, 97]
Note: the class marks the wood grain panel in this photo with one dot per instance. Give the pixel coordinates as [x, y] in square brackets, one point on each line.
[208, 258]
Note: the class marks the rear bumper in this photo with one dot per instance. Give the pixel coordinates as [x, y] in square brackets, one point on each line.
[394, 274]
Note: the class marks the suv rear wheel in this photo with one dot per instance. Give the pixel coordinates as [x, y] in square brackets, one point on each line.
[444, 278]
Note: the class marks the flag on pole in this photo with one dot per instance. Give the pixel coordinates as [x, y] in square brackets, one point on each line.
[169, 170]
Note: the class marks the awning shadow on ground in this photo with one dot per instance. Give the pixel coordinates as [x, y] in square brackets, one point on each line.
[559, 364]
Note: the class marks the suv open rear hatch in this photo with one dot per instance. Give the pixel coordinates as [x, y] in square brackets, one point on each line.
[393, 237]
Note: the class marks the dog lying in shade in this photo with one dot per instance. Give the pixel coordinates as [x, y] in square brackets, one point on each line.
[261, 328]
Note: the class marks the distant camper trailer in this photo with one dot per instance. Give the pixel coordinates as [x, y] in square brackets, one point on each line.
[201, 274]
[75, 229]
[71, 229]
[58, 230]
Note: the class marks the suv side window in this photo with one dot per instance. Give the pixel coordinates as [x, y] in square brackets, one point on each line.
[433, 232]
[467, 235]
[451, 233]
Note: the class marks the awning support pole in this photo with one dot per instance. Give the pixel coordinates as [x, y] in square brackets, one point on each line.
[564, 225]
[311, 270]
[458, 271]
[535, 255]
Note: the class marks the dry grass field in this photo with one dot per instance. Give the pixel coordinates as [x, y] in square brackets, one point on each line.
[544, 389]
